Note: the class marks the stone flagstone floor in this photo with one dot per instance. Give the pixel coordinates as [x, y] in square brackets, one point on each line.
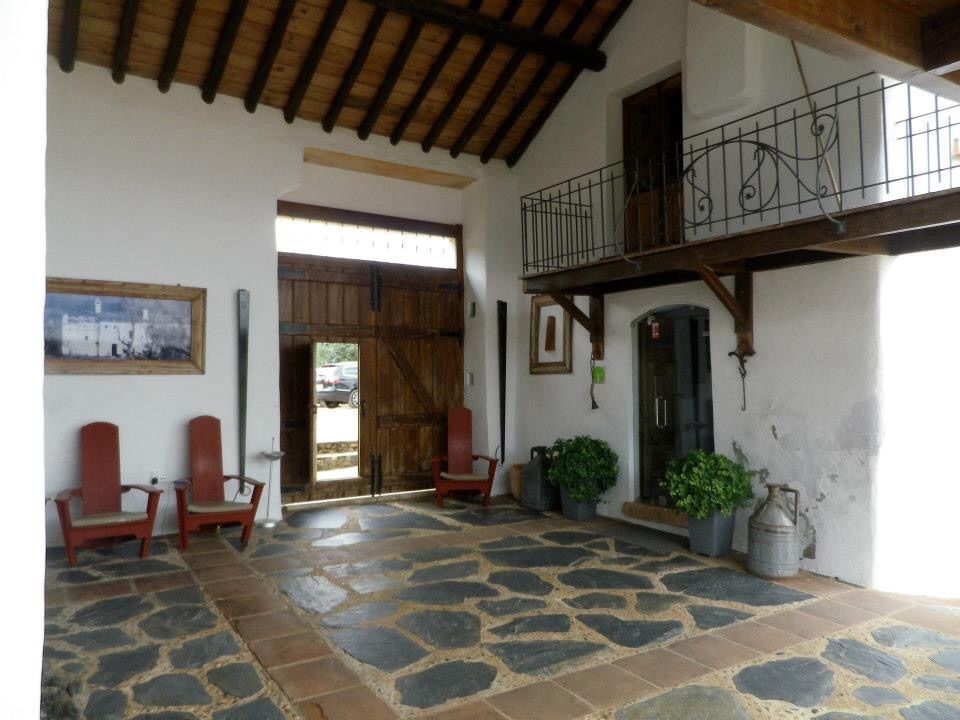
[404, 610]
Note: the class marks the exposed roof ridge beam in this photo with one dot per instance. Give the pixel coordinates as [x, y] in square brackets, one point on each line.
[485, 27]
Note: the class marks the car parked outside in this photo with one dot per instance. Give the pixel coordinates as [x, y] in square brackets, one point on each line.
[339, 383]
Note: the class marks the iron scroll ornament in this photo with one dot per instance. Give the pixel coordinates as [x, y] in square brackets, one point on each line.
[750, 197]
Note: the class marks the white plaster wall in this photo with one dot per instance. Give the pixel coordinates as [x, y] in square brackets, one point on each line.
[23, 48]
[147, 187]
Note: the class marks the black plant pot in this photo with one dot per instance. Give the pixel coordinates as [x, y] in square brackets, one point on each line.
[577, 510]
[713, 535]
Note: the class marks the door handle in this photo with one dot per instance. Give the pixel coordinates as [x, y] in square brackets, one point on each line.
[666, 421]
[656, 412]
[363, 406]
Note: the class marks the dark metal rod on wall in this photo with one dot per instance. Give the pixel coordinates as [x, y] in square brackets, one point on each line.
[502, 360]
[243, 345]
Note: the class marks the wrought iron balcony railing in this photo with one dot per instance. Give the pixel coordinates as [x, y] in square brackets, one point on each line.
[859, 142]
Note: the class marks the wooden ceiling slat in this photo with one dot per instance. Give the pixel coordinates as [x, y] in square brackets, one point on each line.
[390, 79]
[557, 96]
[175, 48]
[466, 82]
[356, 64]
[70, 33]
[505, 75]
[269, 55]
[309, 67]
[221, 54]
[573, 26]
[435, 69]
[121, 49]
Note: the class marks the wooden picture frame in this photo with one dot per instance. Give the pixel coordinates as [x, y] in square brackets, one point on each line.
[100, 327]
[543, 361]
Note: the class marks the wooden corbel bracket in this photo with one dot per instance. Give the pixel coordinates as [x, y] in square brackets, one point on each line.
[593, 323]
[739, 303]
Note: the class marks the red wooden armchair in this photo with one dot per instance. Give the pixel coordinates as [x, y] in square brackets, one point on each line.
[458, 474]
[99, 494]
[206, 504]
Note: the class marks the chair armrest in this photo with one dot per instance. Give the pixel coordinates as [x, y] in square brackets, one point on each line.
[67, 495]
[485, 457]
[439, 459]
[145, 488]
[182, 484]
[244, 478]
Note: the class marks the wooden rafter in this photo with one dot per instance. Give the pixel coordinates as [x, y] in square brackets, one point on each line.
[221, 54]
[178, 36]
[429, 79]
[535, 85]
[269, 55]
[121, 48]
[941, 41]
[68, 38]
[390, 78]
[466, 82]
[501, 32]
[543, 17]
[569, 80]
[356, 65]
[309, 67]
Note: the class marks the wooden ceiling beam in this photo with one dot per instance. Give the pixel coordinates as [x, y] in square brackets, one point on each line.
[269, 55]
[884, 36]
[121, 48]
[536, 84]
[67, 57]
[941, 41]
[310, 63]
[499, 31]
[569, 80]
[390, 78]
[178, 36]
[429, 79]
[543, 17]
[466, 82]
[221, 53]
[353, 70]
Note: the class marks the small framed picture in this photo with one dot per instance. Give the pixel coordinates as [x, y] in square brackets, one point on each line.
[551, 336]
[96, 327]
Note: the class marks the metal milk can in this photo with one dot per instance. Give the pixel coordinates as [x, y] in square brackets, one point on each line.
[773, 538]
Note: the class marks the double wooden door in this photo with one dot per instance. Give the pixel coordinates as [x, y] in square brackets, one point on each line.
[408, 324]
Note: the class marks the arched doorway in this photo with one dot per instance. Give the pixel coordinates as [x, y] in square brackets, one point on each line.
[675, 392]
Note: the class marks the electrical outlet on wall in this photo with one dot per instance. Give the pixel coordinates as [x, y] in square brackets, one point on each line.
[157, 477]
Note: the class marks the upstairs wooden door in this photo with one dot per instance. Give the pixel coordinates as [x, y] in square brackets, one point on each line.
[408, 322]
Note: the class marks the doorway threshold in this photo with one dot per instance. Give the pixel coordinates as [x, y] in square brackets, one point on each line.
[658, 514]
[360, 499]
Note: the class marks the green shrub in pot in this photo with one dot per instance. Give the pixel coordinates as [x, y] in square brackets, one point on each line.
[708, 488]
[584, 468]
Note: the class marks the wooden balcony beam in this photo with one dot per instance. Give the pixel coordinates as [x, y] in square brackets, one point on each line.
[592, 323]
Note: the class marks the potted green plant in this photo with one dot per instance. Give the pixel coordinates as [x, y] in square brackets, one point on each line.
[708, 488]
[584, 468]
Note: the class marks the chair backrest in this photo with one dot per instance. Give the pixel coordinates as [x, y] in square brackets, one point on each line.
[206, 459]
[100, 468]
[459, 440]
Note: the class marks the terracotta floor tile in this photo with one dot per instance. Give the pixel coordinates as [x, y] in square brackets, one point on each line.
[815, 584]
[662, 667]
[930, 617]
[204, 545]
[713, 651]
[306, 680]
[289, 649]
[355, 703]
[477, 710]
[845, 615]
[263, 602]
[877, 602]
[541, 701]
[165, 581]
[798, 623]
[762, 638]
[605, 686]
[100, 591]
[234, 587]
[222, 572]
[272, 625]
[210, 559]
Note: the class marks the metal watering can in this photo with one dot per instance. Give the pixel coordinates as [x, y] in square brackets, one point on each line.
[773, 537]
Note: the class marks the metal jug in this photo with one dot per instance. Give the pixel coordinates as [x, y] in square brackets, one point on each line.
[538, 493]
[773, 538]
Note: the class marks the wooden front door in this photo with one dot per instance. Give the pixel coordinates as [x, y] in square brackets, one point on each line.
[408, 322]
[652, 135]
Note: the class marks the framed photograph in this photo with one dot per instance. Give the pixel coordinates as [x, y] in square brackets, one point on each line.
[551, 335]
[96, 327]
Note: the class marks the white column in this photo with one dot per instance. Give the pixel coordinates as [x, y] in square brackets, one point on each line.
[23, 128]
